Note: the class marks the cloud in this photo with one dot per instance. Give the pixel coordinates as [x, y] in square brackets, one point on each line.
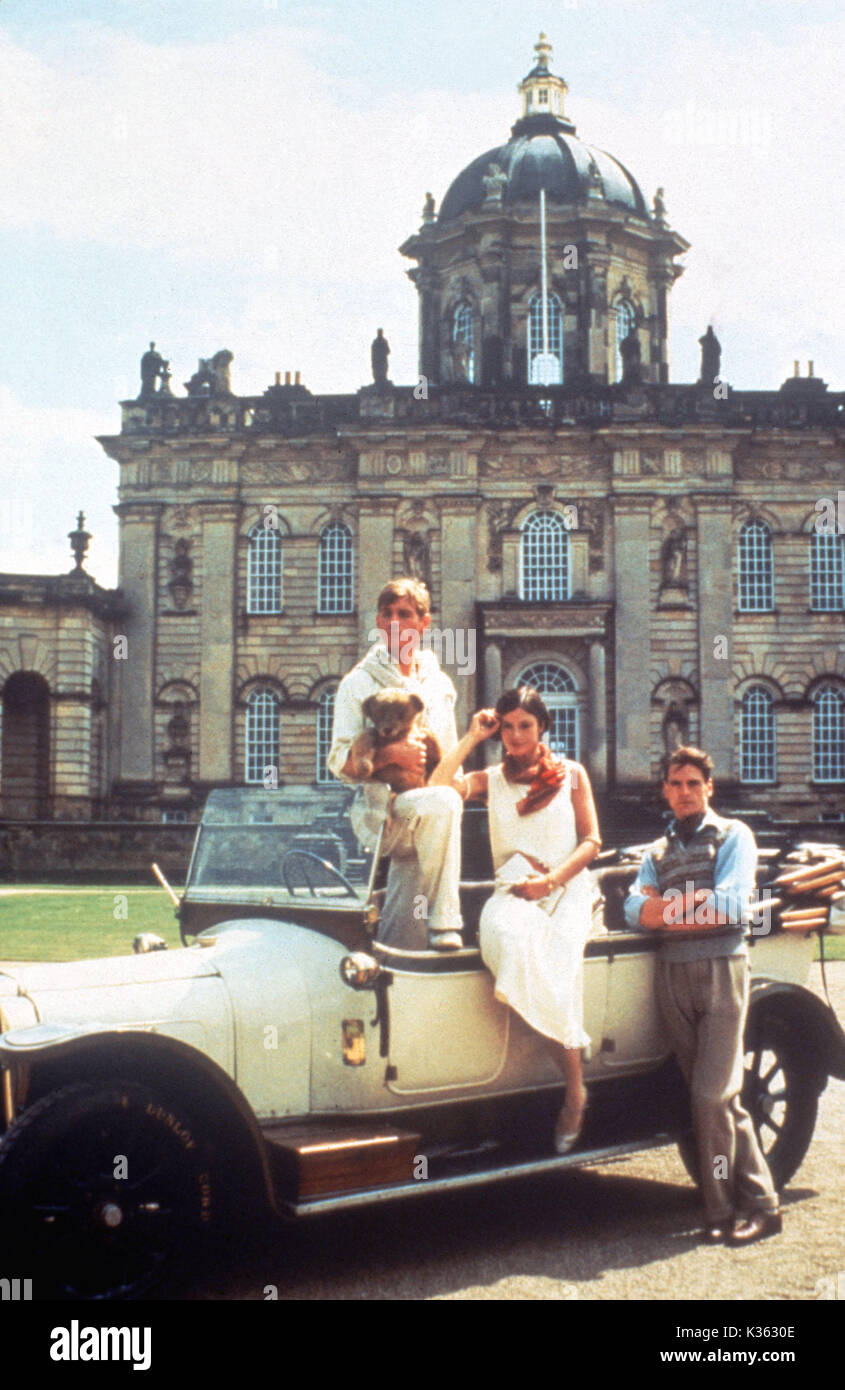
[52, 467]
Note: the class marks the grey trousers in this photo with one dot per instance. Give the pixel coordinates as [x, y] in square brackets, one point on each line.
[704, 1004]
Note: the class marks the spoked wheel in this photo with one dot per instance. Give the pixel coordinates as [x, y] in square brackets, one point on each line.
[780, 1091]
[102, 1187]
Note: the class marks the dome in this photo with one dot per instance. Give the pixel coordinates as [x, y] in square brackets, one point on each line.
[544, 152]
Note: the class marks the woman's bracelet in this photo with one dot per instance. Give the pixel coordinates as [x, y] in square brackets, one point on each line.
[591, 839]
[551, 885]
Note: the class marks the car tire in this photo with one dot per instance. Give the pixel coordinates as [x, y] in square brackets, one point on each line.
[780, 1091]
[104, 1187]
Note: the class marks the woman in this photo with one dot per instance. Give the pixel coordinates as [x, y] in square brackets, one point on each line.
[543, 834]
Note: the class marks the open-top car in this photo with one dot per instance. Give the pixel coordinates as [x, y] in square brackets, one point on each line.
[284, 1054]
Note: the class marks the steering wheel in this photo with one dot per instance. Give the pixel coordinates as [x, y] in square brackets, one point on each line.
[315, 859]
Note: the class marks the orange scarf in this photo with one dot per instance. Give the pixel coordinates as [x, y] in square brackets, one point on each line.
[546, 777]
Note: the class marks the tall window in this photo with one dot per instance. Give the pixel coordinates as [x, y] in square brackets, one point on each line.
[545, 371]
[757, 736]
[325, 719]
[827, 571]
[264, 571]
[544, 558]
[463, 339]
[335, 569]
[625, 319]
[560, 696]
[754, 564]
[262, 734]
[829, 734]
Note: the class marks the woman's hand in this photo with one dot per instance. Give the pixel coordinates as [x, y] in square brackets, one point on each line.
[531, 889]
[483, 723]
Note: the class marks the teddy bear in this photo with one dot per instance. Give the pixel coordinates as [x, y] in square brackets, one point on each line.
[395, 717]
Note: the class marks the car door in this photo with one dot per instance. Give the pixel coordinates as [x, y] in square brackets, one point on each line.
[634, 1037]
[447, 1031]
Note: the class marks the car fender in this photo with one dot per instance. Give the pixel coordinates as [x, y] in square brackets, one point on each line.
[814, 1020]
[47, 1056]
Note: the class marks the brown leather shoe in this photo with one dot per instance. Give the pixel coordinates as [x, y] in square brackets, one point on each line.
[755, 1227]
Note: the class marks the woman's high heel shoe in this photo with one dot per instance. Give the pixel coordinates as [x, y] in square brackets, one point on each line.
[568, 1127]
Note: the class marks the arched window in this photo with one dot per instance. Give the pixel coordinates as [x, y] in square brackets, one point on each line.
[545, 371]
[264, 571]
[335, 569]
[757, 736]
[827, 571]
[829, 734]
[560, 696]
[544, 558]
[463, 339]
[262, 734]
[325, 719]
[624, 320]
[754, 564]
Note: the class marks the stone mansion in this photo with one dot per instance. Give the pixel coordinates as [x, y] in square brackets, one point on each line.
[648, 554]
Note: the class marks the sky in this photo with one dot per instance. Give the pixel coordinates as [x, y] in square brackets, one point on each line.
[240, 174]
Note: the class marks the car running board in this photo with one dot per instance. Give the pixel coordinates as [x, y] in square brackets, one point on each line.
[387, 1191]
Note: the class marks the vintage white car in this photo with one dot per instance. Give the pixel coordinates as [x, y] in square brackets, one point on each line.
[285, 1054]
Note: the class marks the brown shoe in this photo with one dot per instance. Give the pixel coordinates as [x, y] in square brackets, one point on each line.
[755, 1227]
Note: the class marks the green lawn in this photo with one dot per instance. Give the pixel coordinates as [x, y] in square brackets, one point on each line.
[64, 922]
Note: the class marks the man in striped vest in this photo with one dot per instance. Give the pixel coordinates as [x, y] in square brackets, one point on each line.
[695, 887]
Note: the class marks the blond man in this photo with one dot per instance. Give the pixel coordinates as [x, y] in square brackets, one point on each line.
[422, 833]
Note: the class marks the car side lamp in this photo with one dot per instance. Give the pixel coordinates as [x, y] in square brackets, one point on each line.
[359, 970]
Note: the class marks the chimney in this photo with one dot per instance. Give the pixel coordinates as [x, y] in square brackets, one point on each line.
[296, 378]
[809, 369]
[278, 378]
[287, 378]
[796, 370]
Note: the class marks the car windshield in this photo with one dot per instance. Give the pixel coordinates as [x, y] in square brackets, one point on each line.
[282, 845]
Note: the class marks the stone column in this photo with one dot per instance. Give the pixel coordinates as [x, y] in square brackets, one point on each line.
[138, 567]
[510, 564]
[579, 556]
[375, 559]
[429, 323]
[597, 743]
[631, 541]
[459, 653]
[715, 620]
[492, 691]
[217, 627]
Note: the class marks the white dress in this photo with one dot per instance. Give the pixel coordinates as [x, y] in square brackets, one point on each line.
[537, 957]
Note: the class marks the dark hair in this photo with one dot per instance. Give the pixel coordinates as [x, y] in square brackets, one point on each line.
[523, 697]
[695, 757]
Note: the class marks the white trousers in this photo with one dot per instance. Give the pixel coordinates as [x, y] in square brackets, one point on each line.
[423, 838]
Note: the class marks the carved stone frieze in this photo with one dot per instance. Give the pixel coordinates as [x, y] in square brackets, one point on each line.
[789, 470]
[530, 466]
[263, 471]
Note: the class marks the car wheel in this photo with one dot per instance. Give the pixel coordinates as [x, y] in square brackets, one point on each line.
[780, 1091]
[102, 1187]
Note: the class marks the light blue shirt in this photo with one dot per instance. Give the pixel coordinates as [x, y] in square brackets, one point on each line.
[734, 877]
